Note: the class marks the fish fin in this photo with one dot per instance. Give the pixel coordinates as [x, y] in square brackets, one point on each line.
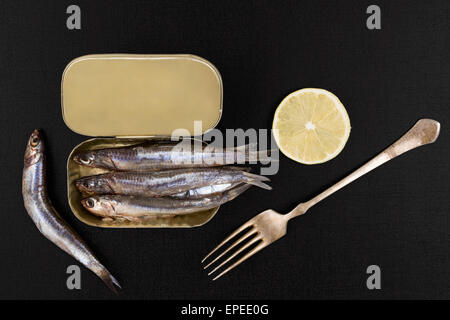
[234, 192]
[246, 169]
[260, 184]
[167, 141]
[109, 280]
[256, 176]
[257, 180]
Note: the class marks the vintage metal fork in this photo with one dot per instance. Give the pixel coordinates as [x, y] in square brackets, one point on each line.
[269, 225]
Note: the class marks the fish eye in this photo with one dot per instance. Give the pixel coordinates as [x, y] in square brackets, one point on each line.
[85, 159]
[90, 203]
[85, 184]
[34, 141]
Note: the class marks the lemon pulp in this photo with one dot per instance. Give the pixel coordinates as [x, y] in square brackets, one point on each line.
[311, 126]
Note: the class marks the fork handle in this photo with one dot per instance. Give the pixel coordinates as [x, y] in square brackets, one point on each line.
[425, 131]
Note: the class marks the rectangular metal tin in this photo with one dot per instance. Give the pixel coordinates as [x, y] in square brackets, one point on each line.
[122, 138]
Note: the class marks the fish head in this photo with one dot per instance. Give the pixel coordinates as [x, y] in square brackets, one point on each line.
[35, 149]
[85, 158]
[94, 185]
[95, 159]
[99, 206]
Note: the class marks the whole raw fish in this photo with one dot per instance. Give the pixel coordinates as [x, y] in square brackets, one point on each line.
[134, 208]
[44, 215]
[167, 155]
[167, 182]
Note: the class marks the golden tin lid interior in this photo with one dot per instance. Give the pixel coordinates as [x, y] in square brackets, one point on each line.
[140, 95]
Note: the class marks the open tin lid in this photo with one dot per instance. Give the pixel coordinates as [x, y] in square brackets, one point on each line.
[140, 95]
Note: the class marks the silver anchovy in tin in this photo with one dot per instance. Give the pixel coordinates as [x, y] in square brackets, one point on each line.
[168, 155]
[167, 182]
[47, 219]
[132, 208]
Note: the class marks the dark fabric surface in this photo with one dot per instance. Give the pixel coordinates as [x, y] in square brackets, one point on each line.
[396, 217]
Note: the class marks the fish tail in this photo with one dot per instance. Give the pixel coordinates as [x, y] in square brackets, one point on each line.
[257, 180]
[108, 279]
[250, 153]
[234, 192]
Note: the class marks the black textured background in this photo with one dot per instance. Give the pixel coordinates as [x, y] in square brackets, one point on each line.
[396, 217]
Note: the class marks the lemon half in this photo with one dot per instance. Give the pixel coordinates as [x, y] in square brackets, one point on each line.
[311, 126]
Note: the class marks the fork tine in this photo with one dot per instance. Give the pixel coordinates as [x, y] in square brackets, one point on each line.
[245, 236]
[248, 244]
[248, 255]
[244, 226]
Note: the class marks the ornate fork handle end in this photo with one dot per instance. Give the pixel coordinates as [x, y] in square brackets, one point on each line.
[425, 131]
[428, 130]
